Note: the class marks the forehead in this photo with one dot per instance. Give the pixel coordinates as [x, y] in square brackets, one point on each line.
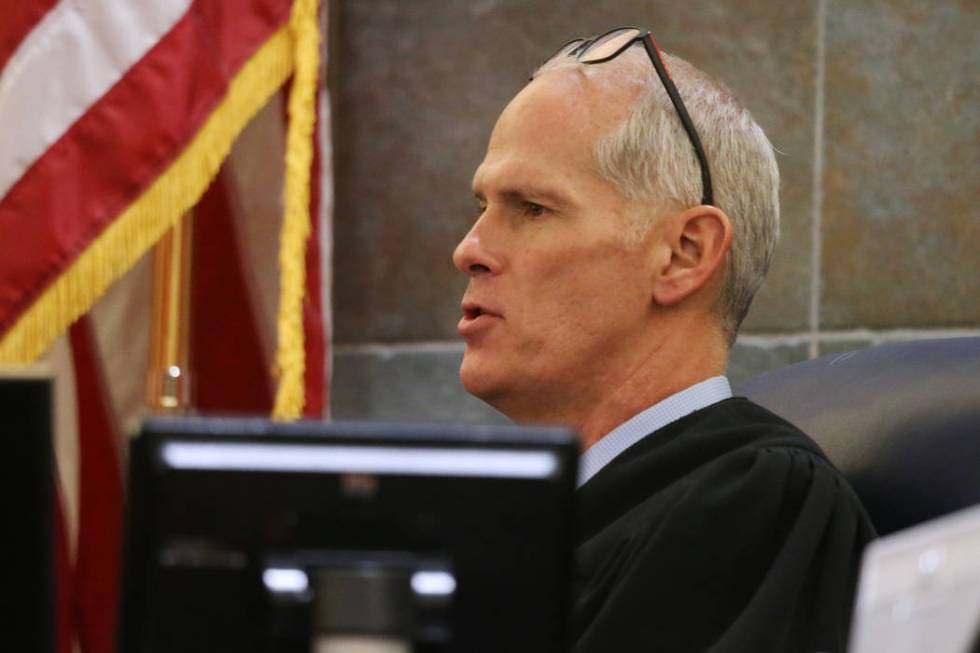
[549, 130]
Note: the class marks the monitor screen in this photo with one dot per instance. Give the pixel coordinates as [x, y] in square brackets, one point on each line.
[251, 535]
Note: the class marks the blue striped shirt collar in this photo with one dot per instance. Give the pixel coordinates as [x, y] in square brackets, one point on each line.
[657, 416]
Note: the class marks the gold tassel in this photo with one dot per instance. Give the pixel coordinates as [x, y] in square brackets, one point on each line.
[144, 221]
[290, 352]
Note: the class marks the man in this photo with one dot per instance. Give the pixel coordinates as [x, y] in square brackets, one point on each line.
[615, 253]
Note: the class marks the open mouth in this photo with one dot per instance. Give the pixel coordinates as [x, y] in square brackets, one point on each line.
[476, 319]
[472, 311]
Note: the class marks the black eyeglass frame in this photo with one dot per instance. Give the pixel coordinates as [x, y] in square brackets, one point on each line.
[653, 52]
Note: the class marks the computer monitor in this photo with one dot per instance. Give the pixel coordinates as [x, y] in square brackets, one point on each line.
[26, 432]
[251, 535]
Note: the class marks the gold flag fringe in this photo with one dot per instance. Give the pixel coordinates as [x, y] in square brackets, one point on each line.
[290, 352]
[161, 205]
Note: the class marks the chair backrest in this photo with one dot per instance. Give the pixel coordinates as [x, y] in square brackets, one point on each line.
[901, 421]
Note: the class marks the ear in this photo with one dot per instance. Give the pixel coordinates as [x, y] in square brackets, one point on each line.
[697, 240]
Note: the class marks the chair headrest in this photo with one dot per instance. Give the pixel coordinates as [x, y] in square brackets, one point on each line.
[901, 421]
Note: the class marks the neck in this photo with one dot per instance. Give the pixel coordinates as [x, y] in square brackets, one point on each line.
[678, 354]
[677, 362]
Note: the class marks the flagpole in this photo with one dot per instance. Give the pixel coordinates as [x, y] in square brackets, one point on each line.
[168, 380]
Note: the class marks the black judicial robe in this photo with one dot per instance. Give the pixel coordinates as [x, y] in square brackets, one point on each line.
[727, 530]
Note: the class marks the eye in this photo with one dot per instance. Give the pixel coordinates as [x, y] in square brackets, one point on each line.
[481, 207]
[534, 210]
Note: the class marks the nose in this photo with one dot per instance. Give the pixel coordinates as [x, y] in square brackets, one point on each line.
[472, 257]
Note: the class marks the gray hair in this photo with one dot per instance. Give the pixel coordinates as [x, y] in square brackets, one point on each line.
[649, 158]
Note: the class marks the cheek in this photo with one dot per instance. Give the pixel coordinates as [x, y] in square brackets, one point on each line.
[576, 304]
[593, 283]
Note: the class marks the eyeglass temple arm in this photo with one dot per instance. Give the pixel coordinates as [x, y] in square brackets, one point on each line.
[707, 196]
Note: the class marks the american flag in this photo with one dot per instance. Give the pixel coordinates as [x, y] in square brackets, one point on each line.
[116, 119]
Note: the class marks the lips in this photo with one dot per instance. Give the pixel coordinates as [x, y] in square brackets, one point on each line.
[476, 317]
[473, 310]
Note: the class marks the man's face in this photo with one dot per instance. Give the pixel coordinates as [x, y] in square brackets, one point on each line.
[557, 300]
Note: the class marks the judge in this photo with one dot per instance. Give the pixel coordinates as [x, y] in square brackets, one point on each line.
[620, 238]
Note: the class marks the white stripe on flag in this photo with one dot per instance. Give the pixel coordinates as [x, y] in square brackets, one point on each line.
[68, 61]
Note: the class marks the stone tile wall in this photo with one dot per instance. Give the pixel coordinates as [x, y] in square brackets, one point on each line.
[872, 105]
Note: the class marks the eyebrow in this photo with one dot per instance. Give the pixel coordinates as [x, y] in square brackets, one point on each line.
[531, 194]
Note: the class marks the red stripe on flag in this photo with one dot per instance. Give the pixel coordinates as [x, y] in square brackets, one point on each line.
[228, 367]
[122, 143]
[19, 19]
[100, 499]
[314, 338]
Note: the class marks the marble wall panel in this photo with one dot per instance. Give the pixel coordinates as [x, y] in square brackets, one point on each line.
[901, 219]
[759, 356]
[422, 383]
[380, 383]
[418, 86]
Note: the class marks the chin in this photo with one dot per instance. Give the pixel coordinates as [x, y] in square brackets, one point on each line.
[476, 383]
[481, 382]
[504, 397]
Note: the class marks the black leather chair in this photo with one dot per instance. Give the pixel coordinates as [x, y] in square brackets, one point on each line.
[901, 421]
